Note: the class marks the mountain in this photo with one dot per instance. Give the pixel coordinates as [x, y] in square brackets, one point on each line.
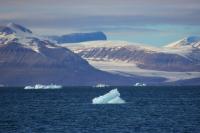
[137, 59]
[14, 28]
[191, 42]
[28, 59]
[79, 37]
[144, 57]
[188, 47]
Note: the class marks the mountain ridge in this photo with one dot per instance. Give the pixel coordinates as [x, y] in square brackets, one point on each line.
[28, 59]
[144, 57]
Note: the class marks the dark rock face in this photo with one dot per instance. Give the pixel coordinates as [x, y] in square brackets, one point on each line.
[14, 54]
[79, 37]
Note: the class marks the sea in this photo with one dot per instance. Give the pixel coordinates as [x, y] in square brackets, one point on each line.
[70, 110]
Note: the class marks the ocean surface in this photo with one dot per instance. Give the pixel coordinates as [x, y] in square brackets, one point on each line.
[70, 110]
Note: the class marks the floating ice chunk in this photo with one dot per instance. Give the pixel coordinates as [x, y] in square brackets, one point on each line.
[28, 87]
[101, 86]
[139, 84]
[39, 86]
[112, 97]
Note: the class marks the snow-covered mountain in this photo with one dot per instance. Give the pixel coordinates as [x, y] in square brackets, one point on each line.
[144, 57]
[79, 37]
[11, 28]
[188, 42]
[27, 59]
[188, 47]
[174, 64]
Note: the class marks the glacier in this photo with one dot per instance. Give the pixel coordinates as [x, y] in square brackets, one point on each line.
[112, 97]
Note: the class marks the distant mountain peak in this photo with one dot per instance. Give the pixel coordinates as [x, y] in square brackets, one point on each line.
[190, 41]
[16, 34]
[17, 27]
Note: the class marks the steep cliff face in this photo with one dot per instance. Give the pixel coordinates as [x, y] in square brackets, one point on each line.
[79, 37]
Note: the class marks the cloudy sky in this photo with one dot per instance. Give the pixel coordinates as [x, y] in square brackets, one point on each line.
[154, 22]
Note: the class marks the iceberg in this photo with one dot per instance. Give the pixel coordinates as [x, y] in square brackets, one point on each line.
[139, 84]
[29, 87]
[101, 86]
[112, 97]
[39, 86]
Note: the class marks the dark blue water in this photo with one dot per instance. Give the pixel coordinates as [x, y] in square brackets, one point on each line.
[69, 110]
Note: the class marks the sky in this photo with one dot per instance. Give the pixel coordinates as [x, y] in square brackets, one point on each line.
[153, 22]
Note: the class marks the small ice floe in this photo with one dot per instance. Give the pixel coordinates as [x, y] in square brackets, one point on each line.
[139, 84]
[29, 87]
[101, 86]
[112, 97]
[39, 86]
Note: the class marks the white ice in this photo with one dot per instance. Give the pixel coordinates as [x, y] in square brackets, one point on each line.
[39, 86]
[101, 86]
[112, 97]
[139, 84]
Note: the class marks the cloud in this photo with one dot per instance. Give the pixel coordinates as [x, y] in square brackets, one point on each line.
[111, 16]
[106, 12]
